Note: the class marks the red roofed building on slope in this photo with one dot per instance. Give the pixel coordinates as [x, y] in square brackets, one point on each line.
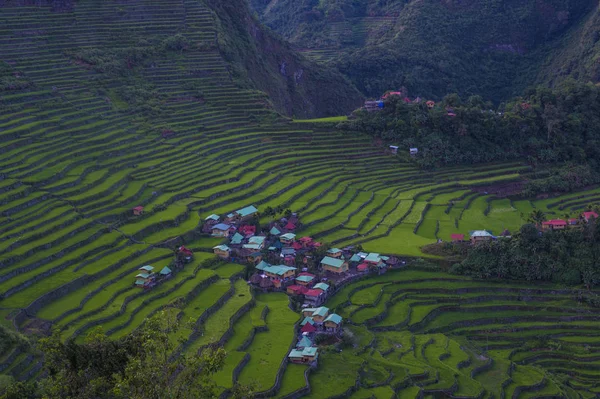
[557, 224]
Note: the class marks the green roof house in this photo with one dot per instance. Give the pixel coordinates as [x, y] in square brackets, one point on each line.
[147, 268]
[262, 265]
[274, 231]
[287, 238]
[237, 239]
[165, 271]
[245, 212]
[308, 320]
[333, 323]
[213, 217]
[321, 286]
[305, 342]
[373, 258]
[334, 252]
[305, 279]
[334, 318]
[334, 265]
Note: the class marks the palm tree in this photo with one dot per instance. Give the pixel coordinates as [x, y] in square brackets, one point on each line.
[537, 217]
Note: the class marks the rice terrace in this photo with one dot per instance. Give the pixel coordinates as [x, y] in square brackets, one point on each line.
[140, 175]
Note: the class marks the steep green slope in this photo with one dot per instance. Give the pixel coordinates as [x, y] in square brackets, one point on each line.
[432, 47]
[295, 85]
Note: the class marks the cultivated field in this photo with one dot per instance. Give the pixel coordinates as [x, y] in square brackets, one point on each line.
[76, 157]
[431, 334]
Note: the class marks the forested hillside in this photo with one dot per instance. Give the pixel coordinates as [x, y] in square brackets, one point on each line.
[434, 47]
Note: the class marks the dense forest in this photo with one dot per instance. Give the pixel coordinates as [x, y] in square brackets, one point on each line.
[551, 127]
[490, 48]
[570, 256]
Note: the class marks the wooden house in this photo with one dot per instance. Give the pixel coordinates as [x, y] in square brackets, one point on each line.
[254, 258]
[557, 224]
[455, 237]
[237, 239]
[333, 323]
[413, 151]
[315, 297]
[275, 231]
[307, 355]
[222, 251]
[221, 230]
[334, 253]
[166, 272]
[480, 236]
[287, 238]
[334, 265]
[255, 243]
[185, 254]
[296, 289]
[244, 213]
[138, 210]
[279, 272]
[305, 279]
[320, 314]
[212, 219]
[394, 149]
[430, 104]
[589, 215]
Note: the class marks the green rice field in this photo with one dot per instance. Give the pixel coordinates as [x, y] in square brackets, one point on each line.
[77, 154]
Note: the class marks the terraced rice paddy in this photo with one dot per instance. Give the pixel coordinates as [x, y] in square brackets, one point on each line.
[76, 159]
[427, 333]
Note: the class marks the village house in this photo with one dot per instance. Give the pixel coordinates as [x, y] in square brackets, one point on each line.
[255, 243]
[287, 252]
[184, 254]
[277, 272]
[222, 251]
[305, 242]
[274, 231]
[254, 258]
[212, 219]
[333, 323]
[334, 265]
[287, 238]
[394, 149]
[362, 268]
[304, 342]
[357, 258]
[166, 272]
[413, 151]
[221, 230]
[296, 289]
[138, 210]
[589, 215]
[245, 213]
[430, 104]
[237, 239]
[305, 279]
[334, 253]
[247, 230]
[376, 262]
[305, 356]
[372, 105]
[455, 237]
[319, 314]
[145, 277]
[557, 224]
[290, 226]
[314, 297]
[480, 236]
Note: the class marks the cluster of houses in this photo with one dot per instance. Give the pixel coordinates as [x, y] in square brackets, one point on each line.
[147, 278]
[479, 236]
[315, 321]
[561, 224]
[246, 244]
[336, 266]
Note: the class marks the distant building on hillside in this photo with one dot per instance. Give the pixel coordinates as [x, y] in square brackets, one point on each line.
[557, 224]
[138, 210]
[413, 151]
[394, 149]
[480, 236]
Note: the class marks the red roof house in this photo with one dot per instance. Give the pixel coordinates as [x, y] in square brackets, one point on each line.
[391, 93]
[185, 251]
[590, 214]
[457, 237]
[362, 267]
[308, 328]
[290, 226]
[296, 289]
[297, 246]
[138, 210]
[313, 293]
[247, 230]
[557, 224]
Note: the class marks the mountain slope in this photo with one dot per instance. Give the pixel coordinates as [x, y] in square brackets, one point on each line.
[434, 47]
[296, 86]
